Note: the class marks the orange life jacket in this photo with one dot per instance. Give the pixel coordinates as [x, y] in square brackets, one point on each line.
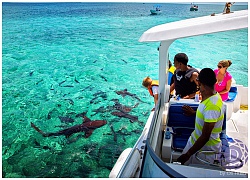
[154, 83]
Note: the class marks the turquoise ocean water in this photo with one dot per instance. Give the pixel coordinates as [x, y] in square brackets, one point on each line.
[64, 59]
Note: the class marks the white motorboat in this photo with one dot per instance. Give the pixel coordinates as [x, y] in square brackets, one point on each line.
[194, 7]
[156, 10]
[153, 155]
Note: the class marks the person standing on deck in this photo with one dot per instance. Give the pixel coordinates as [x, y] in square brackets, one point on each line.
[208, 121]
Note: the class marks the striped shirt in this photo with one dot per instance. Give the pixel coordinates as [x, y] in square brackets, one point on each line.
[210, 110]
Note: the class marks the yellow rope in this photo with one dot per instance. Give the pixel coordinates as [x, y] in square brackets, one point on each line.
[244, 107]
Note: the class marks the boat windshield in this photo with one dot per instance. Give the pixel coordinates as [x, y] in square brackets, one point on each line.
[157, 7]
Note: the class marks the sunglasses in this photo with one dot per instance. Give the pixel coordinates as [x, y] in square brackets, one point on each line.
[220, 67]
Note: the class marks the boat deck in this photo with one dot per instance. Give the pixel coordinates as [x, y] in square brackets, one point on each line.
[237, 133]
[237, 129]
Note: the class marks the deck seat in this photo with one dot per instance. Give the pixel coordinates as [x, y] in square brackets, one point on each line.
[182, 127]
[232, 94]
[230, 102]
[181, 124]
[180, 137]
[178, 119]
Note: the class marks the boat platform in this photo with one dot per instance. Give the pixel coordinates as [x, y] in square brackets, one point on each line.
[237, 136]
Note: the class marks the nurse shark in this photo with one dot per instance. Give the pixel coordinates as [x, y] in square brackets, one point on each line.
[87, 126]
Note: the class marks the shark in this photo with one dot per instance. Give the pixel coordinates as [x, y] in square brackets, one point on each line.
[66, 119]
[122, 132]
[125, 92]
[113, 132]
[117, 106]
[125, 115]
[81, 114]
[97, 95]
[102, 109]
[124, 108]
[87, 126]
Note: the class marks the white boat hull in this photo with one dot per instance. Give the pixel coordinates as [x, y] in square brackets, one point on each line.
[156, 153]
[154, 12]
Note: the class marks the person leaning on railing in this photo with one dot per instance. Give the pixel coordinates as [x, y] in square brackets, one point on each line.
[153, 88]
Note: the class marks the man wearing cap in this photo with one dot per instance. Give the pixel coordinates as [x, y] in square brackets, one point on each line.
[208, 121]
[185, 83]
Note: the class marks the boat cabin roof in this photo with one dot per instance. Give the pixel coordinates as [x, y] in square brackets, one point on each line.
[196, 26]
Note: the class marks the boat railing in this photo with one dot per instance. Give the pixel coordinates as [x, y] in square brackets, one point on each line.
[151, 147]
[150, 126]
[154, 120]
[138, 145]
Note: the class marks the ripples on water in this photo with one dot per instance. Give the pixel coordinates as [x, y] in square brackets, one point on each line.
[62, 59]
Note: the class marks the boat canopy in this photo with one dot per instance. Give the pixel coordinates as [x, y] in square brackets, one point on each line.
[168, 33]
[157, 5]
[196, 26]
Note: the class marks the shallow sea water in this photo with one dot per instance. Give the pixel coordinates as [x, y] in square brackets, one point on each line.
[62, 59]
